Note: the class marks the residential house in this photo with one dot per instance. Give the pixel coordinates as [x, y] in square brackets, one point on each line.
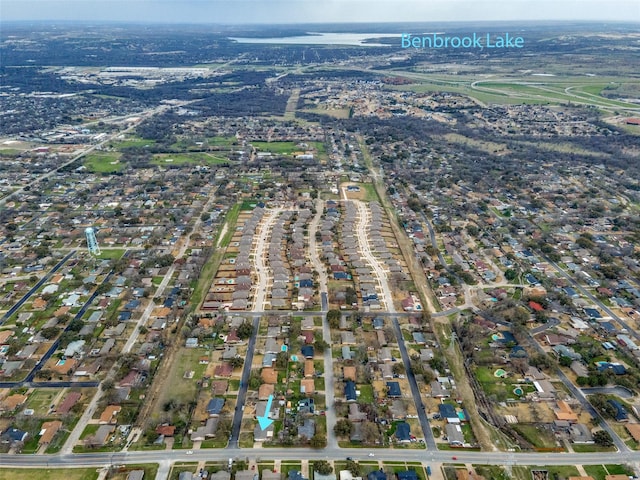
[215, 406]
[403, 432]
[350, 391]
[109, 414]
[454, 435]
[48, 431]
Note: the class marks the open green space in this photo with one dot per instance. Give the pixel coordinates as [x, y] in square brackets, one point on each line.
[521, 90]
[111, 253]
[150, 471]
[278, 148]
[184, 389]
[134, 142]
[221, 141]
[538, 437]
[103, 162]
[48, 473]
[9, 152]
[198, 158]
[366, 393]
[40, 400]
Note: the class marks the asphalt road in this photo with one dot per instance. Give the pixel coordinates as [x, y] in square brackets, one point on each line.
[429, 440]
[244, 383]
[425, 456]
[630, 330]
[35, 288]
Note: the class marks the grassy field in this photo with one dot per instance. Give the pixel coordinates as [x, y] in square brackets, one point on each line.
[41, 400]
[539, 438]
[48, 473]
[111, 253]
[278, 148]
[221, 141]
[187, 158]
[103, 162]
[332, 112]
[183, 390]
[134, 142]
[520, 90]
[150, 471]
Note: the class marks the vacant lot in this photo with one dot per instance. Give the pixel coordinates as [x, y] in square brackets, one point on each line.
[41, 400]
[183, 390]
[103, 162]
[187, 158]
[49, 474]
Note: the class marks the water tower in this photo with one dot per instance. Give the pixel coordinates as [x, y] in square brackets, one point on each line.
[92, 243]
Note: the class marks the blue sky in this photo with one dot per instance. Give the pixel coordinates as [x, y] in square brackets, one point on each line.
[317, 11]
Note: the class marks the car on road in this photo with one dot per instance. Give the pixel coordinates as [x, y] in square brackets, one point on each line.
[454, 458]
[350, 458]
[189, 452]
[371, 454]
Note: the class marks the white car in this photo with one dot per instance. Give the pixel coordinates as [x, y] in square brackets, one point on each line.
[189, 452]
[371, 454]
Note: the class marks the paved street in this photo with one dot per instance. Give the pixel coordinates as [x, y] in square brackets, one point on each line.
[425, 456]
[262, 269]
[362, 233]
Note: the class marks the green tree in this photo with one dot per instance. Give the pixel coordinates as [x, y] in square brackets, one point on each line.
[103, 288]
[322, 467]
[343, 427]
[236, 362]
[354, 467]
[245, 330]
[603, 438]
[318, 441]
[333, 317]
[510, 274]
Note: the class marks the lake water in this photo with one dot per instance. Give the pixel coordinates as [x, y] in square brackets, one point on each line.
[322, 39]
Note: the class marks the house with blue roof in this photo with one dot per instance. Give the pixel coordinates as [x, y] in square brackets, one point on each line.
[393, 390]
[564, 351]
[307, 351]
[214, 407]
[608, 327]
[571, 292]
[377, 475]
[168, 303]
[592, 313]
[448, 412]
[616, 368]
[378, 323]
[621, 414]
[403, 432]
[506, 337]
[132, 304]
[13, 435]
[295, 475]
[518, 352]
[407, 475]
[350, 391]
